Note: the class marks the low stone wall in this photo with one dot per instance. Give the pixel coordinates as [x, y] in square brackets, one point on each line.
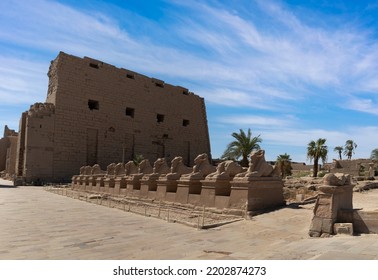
[254, 195]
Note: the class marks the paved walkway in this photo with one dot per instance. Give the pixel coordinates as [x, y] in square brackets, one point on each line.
[36, 224]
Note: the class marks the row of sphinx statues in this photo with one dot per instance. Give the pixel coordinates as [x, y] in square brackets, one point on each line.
[228, 185]
[202, 169]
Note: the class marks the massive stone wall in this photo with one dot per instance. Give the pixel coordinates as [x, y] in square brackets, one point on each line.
[38, 138]
[102, 114]
[4, 142]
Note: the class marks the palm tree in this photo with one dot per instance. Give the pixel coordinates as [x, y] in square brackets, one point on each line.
[284, 164]
[339, 149]
[242, 146]
[374, 155]
[317, 150]
[138, 159]
[349, 146]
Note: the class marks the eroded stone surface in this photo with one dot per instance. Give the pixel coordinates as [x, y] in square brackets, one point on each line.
[335, 194]
[258, 167]
[97, 113]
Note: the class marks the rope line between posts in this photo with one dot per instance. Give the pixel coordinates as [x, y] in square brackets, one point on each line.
[197, 217]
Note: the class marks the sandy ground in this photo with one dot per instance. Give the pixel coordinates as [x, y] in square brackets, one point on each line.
[36, 224]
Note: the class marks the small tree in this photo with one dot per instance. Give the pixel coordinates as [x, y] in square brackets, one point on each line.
[138, 159]
[339, 150]
[284, 164]
[374, 158]
[374, 155]
[242, 146]
[349, 146]
[315, 151]
[361, 170]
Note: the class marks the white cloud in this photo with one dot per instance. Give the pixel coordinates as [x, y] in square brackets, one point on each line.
[301, 137]
[366, 105]
[235, 98]
[22, 81]
[220, 48]
[297, 139]
[266, 57]
[256, 121]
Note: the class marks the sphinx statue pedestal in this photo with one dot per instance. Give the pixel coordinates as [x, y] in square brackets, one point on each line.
[256, 194]
[83, 182]
[332, 201]
[215, 193]
[95, 181]
[188, 191]
[120, 185]
[100, 184]
[91, 183]
[109, 185]
[88, 183]
[166, 190]
[148, 186]
[74, 181]
[133, 184]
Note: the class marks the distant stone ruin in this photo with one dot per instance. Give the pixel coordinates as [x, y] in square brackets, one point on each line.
[8, 152]
[354, 167]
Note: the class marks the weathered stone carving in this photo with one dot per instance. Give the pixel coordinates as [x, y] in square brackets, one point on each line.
[96, 170]
[335, 196]
[201, 169]
[201, 185]
[178, 168]
[110, 169]
[336, 179]
[41, 109]
[145, 167]
[82, 170]
[226, 170]
[87, 170]
[160, 166]
[130, 168]
[119, 169]
[258, 167]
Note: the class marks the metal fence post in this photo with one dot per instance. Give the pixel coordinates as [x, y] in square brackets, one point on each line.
[203, 216]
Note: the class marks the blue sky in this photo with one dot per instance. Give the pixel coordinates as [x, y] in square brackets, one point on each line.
[292, 71]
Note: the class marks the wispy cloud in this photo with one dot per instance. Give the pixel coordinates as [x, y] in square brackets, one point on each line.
[236, 53]
[362, 104]
[295, 57]
[258, 55]
[249, 98]
[22, 81]
[256, 121]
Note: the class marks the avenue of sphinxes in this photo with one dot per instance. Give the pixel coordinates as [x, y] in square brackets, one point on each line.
[254, 189]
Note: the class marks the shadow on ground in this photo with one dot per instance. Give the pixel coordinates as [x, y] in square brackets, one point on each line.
[7, 186]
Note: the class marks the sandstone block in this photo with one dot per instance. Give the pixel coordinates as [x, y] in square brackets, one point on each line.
[343, 228]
